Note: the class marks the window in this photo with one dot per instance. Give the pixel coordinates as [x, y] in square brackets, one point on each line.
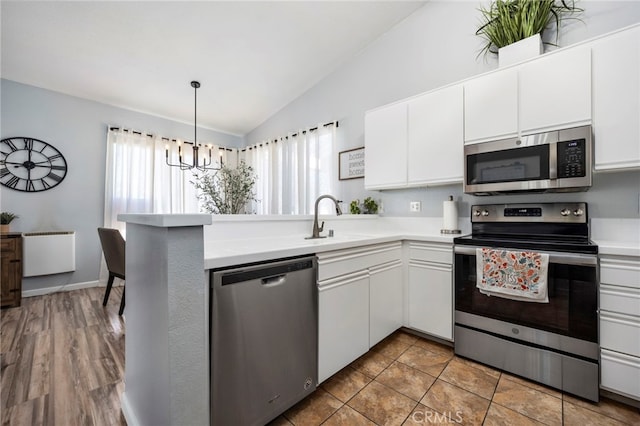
[293, 171]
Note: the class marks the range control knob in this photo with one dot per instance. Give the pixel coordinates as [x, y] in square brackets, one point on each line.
[578, 212]
[485, 212]
[476, 213]
[565, 212]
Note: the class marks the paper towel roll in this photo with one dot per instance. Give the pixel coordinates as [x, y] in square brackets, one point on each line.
[449, 215]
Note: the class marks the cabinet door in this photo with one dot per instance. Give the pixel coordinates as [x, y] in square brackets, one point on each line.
[555, 91]
[10, 287]
[491, 106]
[343, 322]
[385, 293]
[436, 137]
[620, 373]
[616, 101]
[385, 140]
[430, 299]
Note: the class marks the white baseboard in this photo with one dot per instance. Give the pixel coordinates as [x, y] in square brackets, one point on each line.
[127, 412]
[66, 287]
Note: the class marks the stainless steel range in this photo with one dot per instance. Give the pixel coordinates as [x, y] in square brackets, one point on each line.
[553, 342]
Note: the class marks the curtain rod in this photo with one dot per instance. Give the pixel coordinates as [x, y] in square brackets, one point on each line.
[135, 132]
[275, 140]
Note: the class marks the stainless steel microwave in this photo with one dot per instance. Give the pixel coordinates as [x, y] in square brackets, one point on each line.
[558, 161]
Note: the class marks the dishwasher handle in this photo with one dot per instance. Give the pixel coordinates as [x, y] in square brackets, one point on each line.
[264, 272]
[274, 281]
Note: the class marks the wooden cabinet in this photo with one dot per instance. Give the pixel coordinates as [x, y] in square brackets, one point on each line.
[620, 324]
[386, 147]
[555, 91]
[11, 253]
[616, 100]
[385, 300]
[431, 289]
[491, 106]
[360, 289]
[435, 138]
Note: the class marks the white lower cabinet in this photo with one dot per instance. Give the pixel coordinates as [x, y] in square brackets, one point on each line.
[620, 325]
[359, 302]
[430, 298]
[620, 373]
[343, 322]
[385, 300]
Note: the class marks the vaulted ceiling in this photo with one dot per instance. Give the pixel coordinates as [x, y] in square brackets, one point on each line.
[252, 58]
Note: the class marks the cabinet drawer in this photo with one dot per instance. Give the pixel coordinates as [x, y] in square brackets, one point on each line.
[8, 245]
[620, 373]
[620, 333]
[620, 272]
[623, 300]
[438, 253]
[342, 262]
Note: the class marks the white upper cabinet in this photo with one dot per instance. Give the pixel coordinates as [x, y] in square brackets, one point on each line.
[616, 100]
[548, 93]
[385, 142]
[491, 106]
[555, 91]
[435, 134]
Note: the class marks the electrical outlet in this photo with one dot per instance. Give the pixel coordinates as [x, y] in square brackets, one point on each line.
[415, 206]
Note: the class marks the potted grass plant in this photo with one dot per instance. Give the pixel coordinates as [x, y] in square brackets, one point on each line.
[5, 219]
[505, 22]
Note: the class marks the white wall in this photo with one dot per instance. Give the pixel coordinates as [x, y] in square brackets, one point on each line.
[78, 128]
[433, 47]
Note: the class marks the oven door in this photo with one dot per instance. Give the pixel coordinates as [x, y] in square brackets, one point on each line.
[569, 319]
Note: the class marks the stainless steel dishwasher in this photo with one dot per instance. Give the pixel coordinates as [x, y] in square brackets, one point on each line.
[264, 339]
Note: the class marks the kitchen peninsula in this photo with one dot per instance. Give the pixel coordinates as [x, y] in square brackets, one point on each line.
[167, 368]
[168, 258]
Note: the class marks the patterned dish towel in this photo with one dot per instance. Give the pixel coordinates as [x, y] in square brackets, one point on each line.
[517, 275]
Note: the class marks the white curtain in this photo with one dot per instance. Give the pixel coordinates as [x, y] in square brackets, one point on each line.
[138, 180]
[293, 171]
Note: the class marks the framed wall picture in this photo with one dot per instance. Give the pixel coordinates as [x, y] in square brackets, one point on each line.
[351, 164]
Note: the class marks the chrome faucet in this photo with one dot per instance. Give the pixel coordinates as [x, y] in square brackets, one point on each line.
[317, 229]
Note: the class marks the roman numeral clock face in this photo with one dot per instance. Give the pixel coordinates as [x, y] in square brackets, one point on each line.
[30, 165]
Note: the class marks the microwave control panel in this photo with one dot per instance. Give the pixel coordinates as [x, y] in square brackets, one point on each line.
[572, 158]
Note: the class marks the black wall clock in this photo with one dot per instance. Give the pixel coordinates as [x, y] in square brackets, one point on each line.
[30, 165]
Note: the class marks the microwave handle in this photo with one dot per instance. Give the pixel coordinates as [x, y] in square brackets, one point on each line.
[554, 257]
[553, 160]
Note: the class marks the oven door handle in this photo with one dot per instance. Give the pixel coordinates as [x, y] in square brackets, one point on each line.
[554, 257]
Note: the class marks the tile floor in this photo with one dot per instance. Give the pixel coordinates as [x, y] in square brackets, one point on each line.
[407, 380]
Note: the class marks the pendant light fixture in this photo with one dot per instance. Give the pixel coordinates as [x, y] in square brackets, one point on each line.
[206, 162]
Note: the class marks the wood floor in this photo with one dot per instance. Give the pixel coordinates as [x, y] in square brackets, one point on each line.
[62, 360]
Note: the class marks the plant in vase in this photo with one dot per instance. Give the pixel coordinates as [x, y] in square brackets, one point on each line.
[354, 207]
[228, 190]
[507, 21]
[368, 206]
[5, 219]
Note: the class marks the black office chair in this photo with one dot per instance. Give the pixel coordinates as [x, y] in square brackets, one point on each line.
[113, 247]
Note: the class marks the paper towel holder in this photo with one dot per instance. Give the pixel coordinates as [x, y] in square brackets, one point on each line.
[451, 231]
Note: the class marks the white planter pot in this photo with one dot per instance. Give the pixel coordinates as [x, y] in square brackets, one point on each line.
[519, 51]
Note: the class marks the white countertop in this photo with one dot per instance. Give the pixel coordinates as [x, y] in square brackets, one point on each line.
[223, 253]
[618, 248]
